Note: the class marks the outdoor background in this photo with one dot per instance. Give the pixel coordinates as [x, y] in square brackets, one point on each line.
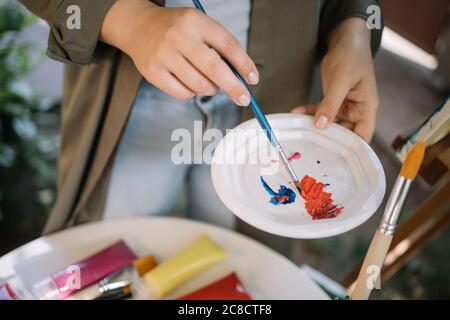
[30, 89]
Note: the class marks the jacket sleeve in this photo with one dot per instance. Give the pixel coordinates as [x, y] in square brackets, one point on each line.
[333, 12]
[69, 45]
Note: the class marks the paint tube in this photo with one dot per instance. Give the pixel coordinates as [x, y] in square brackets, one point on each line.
[195, 258]
[81, 275]
[131, 274]
[226, 288]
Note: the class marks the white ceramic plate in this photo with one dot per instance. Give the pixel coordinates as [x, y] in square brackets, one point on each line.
[335, 156]
[264, 273]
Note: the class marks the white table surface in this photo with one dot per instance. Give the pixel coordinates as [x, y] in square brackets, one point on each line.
[265, 273]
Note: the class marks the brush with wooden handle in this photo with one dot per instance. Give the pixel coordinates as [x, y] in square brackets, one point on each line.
[381, 241]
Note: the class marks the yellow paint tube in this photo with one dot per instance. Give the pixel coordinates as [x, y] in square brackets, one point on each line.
[195, 258]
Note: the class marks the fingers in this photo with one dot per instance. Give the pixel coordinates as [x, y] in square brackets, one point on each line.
[307, 109]
[335, 94]
[208, 62]
[365, 129]
[230, 48]
[347, 124]
[191, 77]
[167, 82]
[311, 110]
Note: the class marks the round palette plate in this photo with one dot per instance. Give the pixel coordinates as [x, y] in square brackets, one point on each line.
[335, 156]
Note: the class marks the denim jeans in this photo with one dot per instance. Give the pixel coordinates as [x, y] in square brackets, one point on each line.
[145, 180]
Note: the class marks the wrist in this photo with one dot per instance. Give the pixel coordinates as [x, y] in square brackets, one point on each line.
[121, 23]
[352, 32]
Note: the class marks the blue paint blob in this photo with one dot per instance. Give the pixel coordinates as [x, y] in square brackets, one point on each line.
[318, 161]
[327, 184]
[284, 195]
[266, 186]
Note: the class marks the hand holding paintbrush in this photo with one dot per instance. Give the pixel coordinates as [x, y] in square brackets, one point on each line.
[383, 236]
[262, 120]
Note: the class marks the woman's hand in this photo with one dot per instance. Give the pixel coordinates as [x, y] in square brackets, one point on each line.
[172, 49]
[348, 81]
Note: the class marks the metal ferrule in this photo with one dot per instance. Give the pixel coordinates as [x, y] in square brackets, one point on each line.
[286, 163]
[114, 286]
[394, 206]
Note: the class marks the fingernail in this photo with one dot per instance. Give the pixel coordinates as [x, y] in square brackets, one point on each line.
[253, 78]
[321, 122]
[244, 100]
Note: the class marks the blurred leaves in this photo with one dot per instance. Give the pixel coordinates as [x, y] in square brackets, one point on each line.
[7, 155]
[12, 17]
[28, 124]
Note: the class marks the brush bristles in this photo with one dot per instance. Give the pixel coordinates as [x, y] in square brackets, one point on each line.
[413, 161]
[299, 187]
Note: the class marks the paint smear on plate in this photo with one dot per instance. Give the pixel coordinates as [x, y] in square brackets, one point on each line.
[318, 203]
[284, 195]
[294, 156]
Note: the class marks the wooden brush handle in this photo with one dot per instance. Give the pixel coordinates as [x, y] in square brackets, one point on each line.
[370, 270]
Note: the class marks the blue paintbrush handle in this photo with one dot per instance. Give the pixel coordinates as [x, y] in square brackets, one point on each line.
[199, 6]
[257, 110]
[261, 117]
[262, 120]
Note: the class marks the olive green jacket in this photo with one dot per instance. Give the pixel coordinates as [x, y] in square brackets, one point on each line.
[286, 39]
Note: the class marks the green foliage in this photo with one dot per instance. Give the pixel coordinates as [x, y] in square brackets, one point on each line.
[28, 133]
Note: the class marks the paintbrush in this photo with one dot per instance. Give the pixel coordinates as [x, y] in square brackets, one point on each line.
[381, 241]
[262, 120]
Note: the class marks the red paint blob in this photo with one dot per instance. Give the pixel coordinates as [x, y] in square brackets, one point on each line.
[318, 203]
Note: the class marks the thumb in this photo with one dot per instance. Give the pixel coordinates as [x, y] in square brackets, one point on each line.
[335, 95]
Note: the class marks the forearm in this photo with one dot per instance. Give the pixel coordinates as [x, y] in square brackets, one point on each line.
[336, 12]
[352, 32]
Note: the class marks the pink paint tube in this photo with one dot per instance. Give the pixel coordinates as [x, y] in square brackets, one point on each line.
[82, 274]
